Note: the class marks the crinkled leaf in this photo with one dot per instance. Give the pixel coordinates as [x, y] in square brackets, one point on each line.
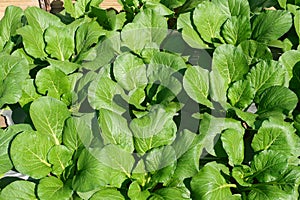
[130, 71]
[53, 82]
[255, 51]
[108, 194]
[53, 188]
[19, 190]
[266, 74]
[241, 94]
[114, 130]
[13, 72]
[209, 27]
[277, 99]
[29, 153]
[60, 157]
[196, 84]
[48, 116]
[60, 43]
[270, 25]
[210, 184]
[268, 165]
[236, 29]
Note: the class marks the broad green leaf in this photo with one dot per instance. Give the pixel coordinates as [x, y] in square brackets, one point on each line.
[10, 22]
[169, 193]
[102, 93]
[158, 8]
[297, 23]
[65, 66]
[246, 116]
[278, 136]
[234, 7]
[241, 174]
[289, 60]
[218, 88]
[13, 72]
[135, 192]
[114, 130]
[92, 174]
[53, 82]
[277, 99]
[196, 84]
[19, 190]
[33, 41]
[108, 194]
[148, 27]
[22, 54]
[53, 188]
[172, 3]
[129, 71]
[210, 184]
[266, 74]
[116, 158]
[255, 51]
[209, 27]
[241, 94]
[271, 25]
[189, 34]
[29, 93]
[29, 153]
[106, 18]
[137, 97]
[40, 19]
[155, 129]
[60, 157]
[236, 29]
[230, 62]
[233, 143]
[295, 81]
[268, 165]
[86, 36]
[60, 43]
[5, 140]
[48, 116]
[267, 192]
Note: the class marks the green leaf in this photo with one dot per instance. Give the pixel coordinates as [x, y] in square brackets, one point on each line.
[29, 93]
[13, 72]
[218, 88]
[276, 135]
[53, 82]
[267, 191]
[268, 165]
[102, 93]
[255, 51]
[29, 153]
[233, 144]
[33, 41]
[289, 60]
[60, 43]
[108, 194]
[53, 188]
[241, 94]
[135, 192]
[295, 81]
[105, 18]
[114, 130]
[241, 174]
[169, 193]
[271, 25]
[208, 27]
[65, 66]
[266, 74]
[92, 174]
[130, 71]
[234, 7]
[297, 23]
[230, 62]
[189, 34]
[215, 184]
[40, 19]
[48, 116]
[196, 84]
[236, 29]
[155, 129]
[19, 190]
[10, 22]
[60, 157]
[277, 99]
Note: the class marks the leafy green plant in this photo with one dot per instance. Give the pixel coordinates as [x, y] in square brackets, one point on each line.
[112, 105]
